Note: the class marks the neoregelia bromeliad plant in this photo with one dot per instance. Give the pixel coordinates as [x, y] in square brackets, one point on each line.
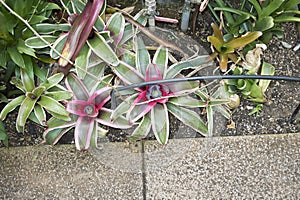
[83, 42]
[225, 50]
[151, 105]
[38, 97]
[87, 112]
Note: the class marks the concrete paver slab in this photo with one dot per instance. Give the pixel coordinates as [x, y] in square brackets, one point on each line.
[247, 167]
[61, 172]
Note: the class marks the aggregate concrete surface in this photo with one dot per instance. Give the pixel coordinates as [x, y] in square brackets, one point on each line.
[239, 167]
[62, 172]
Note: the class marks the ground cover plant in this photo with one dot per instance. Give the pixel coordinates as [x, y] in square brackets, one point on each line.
[94, 56]
[255, 15]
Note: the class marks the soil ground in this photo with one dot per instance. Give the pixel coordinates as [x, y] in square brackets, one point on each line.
[283, 97]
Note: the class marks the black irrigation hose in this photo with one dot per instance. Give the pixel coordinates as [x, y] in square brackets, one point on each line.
[202, 78]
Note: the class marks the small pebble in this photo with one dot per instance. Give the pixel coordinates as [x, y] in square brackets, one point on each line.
[249, 107]
[297, 47]
[286, 45]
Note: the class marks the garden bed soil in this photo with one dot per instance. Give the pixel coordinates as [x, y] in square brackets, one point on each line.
[283, 97]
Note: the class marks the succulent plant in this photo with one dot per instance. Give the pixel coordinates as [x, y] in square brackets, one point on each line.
[253, 90]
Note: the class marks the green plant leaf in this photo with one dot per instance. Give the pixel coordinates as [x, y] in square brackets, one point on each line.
[231, 82]
[142, 130]
[248, 84]
[53, 136]
[123, 107]
[120, 122]
[282, 18]
[52, 81]
[40, 114]
[235, 11]
[228, 16]
[217, 33]
[203, 94]
[60, 117]
[24, 111]
[256, 6]
[225, 112]
[3, 98]
[56, 129]
[266, 37]
[160, 123]
[105, 81]
[52, 105]
[18, 83]
[41, 73]
[183, 88]
[240, 20]
[161, 59]
[241, 84]
[3, 59]
[188, 117]
[3, 135]
[37, 92]
[52, 6]
[216, 102]
[256, 92]
[37, 19]
[27, 80]
[210, 120]
[266, 69]
[46, 28]
[128, 33]
[11, 106]
[36, 43]
[243, 40]
[101, 48]
[100, 24]
[128, 74]
[58, 45]
[59, 95]
[142, 56]
[194, 63]
[290, 4]
[187, 101]
[271, 7]
[264, 24]
[22, 48]
[16, 56]
[77, 6]
[217, 44]
[82, 61]
[223, 61]
[77, 87]
[4, 28]
[97, 71]
[116, 25]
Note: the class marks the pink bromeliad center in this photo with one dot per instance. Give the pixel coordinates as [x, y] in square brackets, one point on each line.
[158, 92]
[89, 109]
